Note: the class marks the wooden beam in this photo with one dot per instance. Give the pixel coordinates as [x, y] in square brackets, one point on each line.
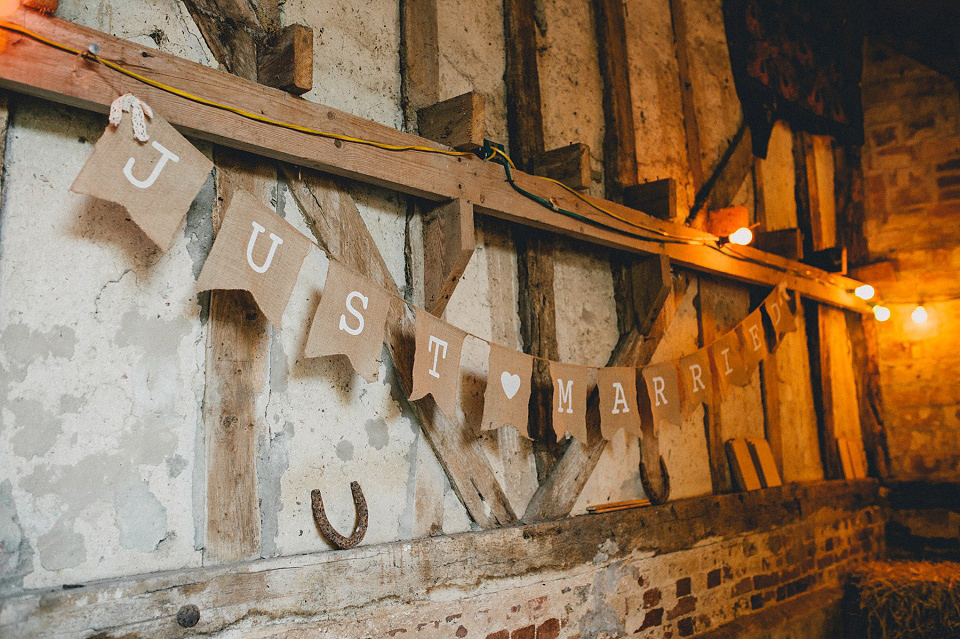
[720, 189]
[866, 368]
[4, 122]
[657, 198]
[457, 122]
[690, 126]
[619, 135]
[708, 299]
[522, 79]
[448, 243]
[232, 28]
[285, 59]
[37, 69]
[559, 492]
[285, 593]
[640, 287]
[419, 54]
[338, 227]
[569, 164]
[819, 333]
[786, 243]
[236, 377]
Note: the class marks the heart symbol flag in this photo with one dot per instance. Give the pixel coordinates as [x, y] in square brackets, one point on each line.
[510, 383]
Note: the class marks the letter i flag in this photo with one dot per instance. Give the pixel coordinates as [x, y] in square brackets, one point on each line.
[663, 391]
[507, 398]
[258, 251]
[618, 401]
[696, 380]
[154, 180]
[569, 407]
[350, 321]
[436, 361]
[728, 362]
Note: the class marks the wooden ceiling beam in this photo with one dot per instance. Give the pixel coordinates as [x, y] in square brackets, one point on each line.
[37, 69]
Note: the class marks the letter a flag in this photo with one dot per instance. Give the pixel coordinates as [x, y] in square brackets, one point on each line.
[696, 380]
[154, 180]
[618, 401]
[569, 408]
[663, 391]
[349, 321]
[256, 250]
[727, 362]
[507, 398]
[753, 338]
[436, 362]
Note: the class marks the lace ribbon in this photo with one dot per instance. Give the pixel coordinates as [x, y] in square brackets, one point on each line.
[139, 111]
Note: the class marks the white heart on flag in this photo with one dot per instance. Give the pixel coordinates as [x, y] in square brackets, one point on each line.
[510, 383]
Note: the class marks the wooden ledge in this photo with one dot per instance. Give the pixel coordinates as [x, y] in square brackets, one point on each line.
[406, 571]
[38, 69]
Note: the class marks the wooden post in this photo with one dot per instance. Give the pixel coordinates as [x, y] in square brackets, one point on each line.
[568, 164]
[707, 323]
[285, 59]
[866, 365]
[692, 130]
[448, 243]
[419, 55]
[457, 122]
[619, 136]
[522, 77]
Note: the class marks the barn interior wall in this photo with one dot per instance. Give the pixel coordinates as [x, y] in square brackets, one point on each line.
[104, 344]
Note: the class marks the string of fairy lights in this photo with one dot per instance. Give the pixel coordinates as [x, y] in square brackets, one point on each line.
[741, 237]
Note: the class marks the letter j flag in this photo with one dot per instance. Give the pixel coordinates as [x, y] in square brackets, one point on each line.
[436, 362]
[258, 251]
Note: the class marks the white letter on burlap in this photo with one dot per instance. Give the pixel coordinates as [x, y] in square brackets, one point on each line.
[436, 362]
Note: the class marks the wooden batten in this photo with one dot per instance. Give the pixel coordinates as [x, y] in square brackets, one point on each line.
[764, 462]
[786, 243]
[285, 59]
[448, 243]
[742, 468]
[657, 198]
[457, 122]
[569, 164]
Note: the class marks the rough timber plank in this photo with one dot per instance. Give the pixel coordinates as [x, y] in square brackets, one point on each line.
[691, 128]
[619, 135]
[448, 243]
[522, 78]
[558, 493]
[285, 59]
[568, 164]
[336, 224]
[34, 68]
[457, 122]
[237, 352]
[231, 28]
[707, 322]
[282, 593]
[420, 54]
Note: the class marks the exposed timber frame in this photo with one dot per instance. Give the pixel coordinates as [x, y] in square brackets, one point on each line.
[37, 69]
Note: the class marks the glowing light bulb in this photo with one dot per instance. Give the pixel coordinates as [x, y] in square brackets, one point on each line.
[742, 236]
[919, 315]
[8, 7]
[864, 292]
[882, 313]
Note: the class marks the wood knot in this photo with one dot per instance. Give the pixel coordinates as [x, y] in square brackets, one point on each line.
[188, 616]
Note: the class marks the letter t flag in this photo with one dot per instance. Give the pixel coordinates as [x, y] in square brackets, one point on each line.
[436, 362]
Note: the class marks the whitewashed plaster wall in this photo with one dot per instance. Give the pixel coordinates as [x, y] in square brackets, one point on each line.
[102, 338]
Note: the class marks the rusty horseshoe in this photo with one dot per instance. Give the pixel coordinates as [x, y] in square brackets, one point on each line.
[320, 517]
[653, 495]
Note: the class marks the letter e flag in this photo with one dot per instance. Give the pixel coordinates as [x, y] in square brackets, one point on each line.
[155, 180]
[569, 407]
[256, 250]
[618, 401]
[349, 321]
[507, 397]
[436, 362]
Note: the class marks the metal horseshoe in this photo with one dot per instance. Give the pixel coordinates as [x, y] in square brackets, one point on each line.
[652, 495]
[320, 517]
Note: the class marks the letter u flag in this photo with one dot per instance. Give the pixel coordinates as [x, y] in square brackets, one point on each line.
[349, 321]
[258, 251]
[154, 180]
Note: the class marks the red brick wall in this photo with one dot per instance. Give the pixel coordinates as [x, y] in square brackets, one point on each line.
[911, 165]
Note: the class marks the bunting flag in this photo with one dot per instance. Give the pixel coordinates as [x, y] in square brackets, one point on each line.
[154, 180]
[696, 381]
[507, 397]
[781, 310]
[663, 392]
[258, 251]
[618, 401]
[753, 340]
[436, 361]
[350, 321]
[727, 362]
[569, 400]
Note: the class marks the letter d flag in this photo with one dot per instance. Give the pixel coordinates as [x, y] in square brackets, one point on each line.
[256, 250]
